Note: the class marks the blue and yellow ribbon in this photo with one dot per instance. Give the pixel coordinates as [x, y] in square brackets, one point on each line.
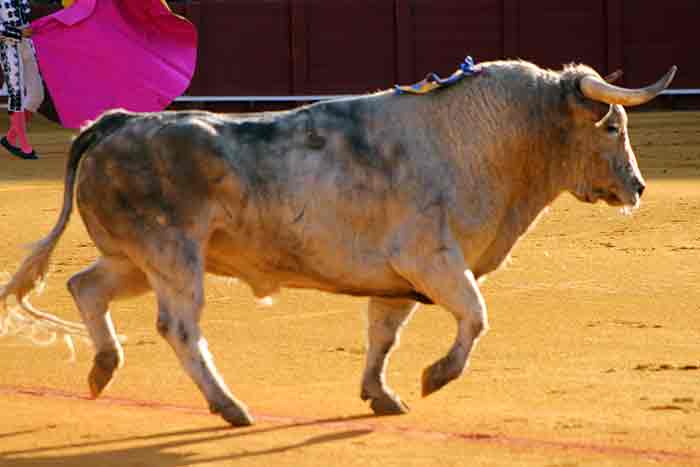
[433, 81]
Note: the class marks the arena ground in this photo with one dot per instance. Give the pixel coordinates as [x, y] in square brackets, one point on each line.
[593, 358]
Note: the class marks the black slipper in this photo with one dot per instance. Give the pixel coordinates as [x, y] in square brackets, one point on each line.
[15, 151]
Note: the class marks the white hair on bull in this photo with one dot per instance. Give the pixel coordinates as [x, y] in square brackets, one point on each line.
[22, 320]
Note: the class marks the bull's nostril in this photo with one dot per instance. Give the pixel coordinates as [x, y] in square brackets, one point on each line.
[640, 190]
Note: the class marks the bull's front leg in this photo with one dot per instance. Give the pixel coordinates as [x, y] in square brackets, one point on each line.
[444, 277]
[385, 319]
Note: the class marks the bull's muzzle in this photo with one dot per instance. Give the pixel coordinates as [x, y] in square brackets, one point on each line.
[640, 186]
[630, 195]
[629, 185]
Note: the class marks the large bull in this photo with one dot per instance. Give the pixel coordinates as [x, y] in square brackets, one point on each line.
[402, 199]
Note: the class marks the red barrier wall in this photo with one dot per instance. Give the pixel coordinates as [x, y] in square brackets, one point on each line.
[280, 47]
[302, 47]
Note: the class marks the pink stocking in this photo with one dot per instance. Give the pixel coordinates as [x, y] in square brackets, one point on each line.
[18, 129]
[12, 133]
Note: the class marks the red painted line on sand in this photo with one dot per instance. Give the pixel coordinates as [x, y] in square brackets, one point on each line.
[484, 438]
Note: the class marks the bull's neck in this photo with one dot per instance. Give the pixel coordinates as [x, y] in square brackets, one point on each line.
[517, 143]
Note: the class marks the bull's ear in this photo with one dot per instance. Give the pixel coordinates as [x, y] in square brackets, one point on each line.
[585, 110]
[614, 76]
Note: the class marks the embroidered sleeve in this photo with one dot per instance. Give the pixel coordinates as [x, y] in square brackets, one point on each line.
[10, 32]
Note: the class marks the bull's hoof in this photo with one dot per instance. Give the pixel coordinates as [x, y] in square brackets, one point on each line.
[234, 415]
[98, 380]
[388, 405]
[103, 367]
[434, 377]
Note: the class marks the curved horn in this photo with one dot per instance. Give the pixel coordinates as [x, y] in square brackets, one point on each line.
[595, 88]
[614, 76]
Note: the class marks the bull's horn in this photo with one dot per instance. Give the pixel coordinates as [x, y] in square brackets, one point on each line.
[595, 88]
[614, 76]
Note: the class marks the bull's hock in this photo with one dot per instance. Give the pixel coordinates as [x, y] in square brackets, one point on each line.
[399, 198]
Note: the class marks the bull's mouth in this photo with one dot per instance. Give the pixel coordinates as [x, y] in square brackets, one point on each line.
[609, 196]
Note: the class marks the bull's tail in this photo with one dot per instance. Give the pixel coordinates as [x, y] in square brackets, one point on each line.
[32, 271]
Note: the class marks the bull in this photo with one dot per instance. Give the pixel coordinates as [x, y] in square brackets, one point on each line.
[402, 199]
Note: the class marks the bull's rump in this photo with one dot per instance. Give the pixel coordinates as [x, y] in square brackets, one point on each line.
[264, 205]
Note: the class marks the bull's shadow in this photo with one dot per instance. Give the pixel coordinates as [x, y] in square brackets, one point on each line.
[156, 449]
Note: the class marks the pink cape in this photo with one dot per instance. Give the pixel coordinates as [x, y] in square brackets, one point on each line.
[102, 54]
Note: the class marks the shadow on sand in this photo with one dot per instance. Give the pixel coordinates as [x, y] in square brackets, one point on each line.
[158, 449]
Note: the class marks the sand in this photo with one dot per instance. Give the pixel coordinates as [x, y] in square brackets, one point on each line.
[593, 358]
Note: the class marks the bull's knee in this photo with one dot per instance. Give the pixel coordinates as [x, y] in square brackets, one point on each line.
[75, 287]
[88, 293]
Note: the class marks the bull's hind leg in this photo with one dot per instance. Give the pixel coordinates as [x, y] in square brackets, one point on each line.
[445, 278]
[180, 291]
[93, 289]
[385, 319]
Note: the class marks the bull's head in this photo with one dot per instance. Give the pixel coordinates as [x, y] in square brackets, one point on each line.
[606, 165]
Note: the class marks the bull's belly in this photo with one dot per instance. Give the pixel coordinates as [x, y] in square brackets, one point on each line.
[267, 268]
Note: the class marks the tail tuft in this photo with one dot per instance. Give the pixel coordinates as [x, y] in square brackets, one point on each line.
[22, 320]
[32, 272]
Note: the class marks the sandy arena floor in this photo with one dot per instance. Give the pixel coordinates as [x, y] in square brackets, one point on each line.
[593, 358]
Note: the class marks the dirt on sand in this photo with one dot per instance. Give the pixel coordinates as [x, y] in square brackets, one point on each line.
[593, 358]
